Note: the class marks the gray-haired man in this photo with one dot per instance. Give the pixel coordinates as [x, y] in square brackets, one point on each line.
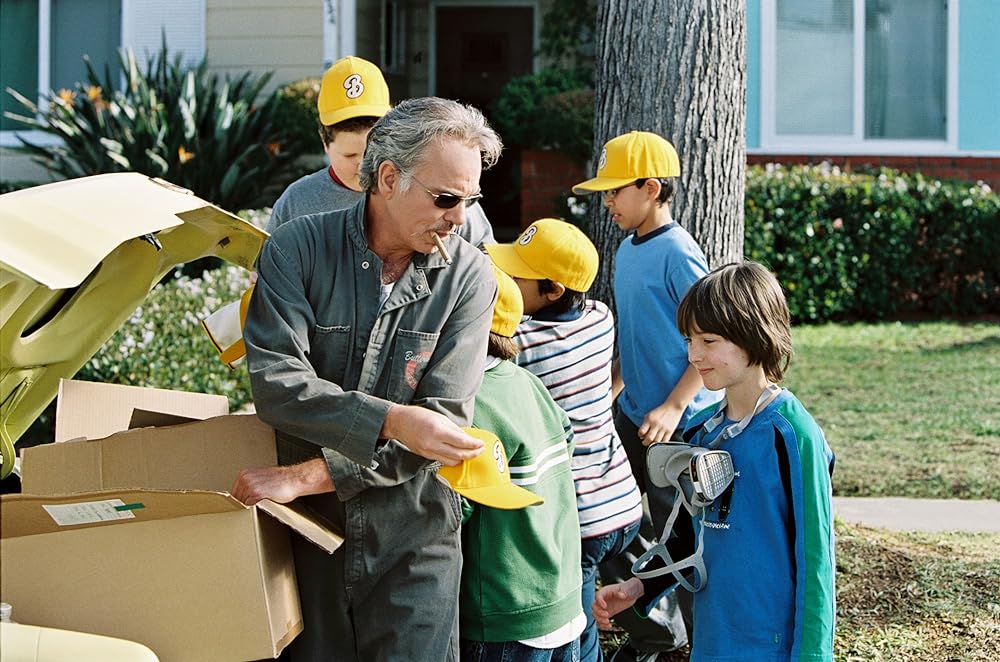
[358, 340]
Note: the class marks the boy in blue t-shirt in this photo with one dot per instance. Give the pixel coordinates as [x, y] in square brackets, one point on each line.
[654, 267]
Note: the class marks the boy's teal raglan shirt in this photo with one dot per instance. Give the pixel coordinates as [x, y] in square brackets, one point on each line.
[768, 543]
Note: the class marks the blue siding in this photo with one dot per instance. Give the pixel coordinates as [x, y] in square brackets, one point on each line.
[753, 74]
[978, 76]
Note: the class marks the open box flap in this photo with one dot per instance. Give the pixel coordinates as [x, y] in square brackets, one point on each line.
[95, 410]
[300, 520]
[202, 455]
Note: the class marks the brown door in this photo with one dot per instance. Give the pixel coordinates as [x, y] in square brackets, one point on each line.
[478, 50]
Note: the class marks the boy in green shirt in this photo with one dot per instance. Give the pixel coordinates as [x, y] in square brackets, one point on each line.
[520, 590]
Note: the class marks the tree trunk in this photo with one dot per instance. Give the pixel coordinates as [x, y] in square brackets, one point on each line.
[677, 69]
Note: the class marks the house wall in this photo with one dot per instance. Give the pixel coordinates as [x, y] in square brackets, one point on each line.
[753, 74]
[972, 168]
[979, 76]
[978, 99]
[284, 36]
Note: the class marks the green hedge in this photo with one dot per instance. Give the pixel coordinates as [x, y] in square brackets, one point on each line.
[552, 109]
[162, 345]
[874, 245]
[296, 112]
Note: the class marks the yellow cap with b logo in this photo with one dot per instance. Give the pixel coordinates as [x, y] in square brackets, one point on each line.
[352, 87]
[634, 155]
[549, 249]
[509, 307]
[485, 478]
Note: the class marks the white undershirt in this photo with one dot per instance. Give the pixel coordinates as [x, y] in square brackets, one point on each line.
[383, 294]
[560, 636]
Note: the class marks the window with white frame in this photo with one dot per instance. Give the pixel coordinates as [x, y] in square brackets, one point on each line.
[42, 42]
[856, 73]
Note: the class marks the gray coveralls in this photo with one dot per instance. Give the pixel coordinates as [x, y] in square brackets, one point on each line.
[325, 365]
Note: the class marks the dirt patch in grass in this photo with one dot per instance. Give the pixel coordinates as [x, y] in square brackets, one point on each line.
[908, 597]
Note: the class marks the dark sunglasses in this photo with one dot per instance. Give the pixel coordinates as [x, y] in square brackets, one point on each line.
[449, 200]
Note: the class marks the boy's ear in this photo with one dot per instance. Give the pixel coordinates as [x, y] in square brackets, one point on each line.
[652, 187]
[558, 289]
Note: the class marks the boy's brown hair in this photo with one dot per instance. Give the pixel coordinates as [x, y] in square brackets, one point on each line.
[743, 303]
[328, 132]
[502, 347]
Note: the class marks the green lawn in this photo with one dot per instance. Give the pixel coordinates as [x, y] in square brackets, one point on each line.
[910, 409]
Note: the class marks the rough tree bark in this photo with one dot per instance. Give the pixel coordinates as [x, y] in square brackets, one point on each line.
[677, 68]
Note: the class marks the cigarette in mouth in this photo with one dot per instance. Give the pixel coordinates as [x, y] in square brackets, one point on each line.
[441, 248]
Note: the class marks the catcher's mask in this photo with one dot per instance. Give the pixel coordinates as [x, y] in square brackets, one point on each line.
[699, 476]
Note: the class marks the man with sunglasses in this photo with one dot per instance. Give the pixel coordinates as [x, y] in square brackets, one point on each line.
[358, 337]
[352, 96]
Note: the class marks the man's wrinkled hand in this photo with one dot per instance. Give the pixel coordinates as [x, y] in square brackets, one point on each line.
[282, 484]
[430, 435]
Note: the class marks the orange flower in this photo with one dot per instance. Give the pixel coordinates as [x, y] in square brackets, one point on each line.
[67, 96]
[184, 155]
[94, 94]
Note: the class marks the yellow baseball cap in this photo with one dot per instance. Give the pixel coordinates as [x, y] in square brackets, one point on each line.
[485, 478]
[509, 308]
[635, 155]
[549, 249]
[352, 87]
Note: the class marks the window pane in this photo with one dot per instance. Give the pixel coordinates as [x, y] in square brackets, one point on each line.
[99, 41]
[18, 56]
[814, 84]
[905, 55]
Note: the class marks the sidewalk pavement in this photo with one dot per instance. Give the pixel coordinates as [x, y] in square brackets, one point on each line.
[902, 514]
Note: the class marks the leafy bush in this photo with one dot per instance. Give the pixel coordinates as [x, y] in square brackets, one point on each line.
[169, 120]
[297, 114]
[553, 109]
[162, 345]
[876, 245]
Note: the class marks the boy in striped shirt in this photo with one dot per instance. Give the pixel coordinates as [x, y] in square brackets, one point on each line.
[520, 593]
[567, 341]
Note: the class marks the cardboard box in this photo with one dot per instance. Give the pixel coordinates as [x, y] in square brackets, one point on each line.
[134, 536]
[93, 410]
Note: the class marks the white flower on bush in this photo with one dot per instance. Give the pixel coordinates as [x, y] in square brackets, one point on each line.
[577, 207]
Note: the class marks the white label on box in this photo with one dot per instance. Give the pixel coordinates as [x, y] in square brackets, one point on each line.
[89, 512]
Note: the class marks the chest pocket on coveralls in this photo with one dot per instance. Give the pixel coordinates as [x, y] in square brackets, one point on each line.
[329, 350]
[412, 353]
